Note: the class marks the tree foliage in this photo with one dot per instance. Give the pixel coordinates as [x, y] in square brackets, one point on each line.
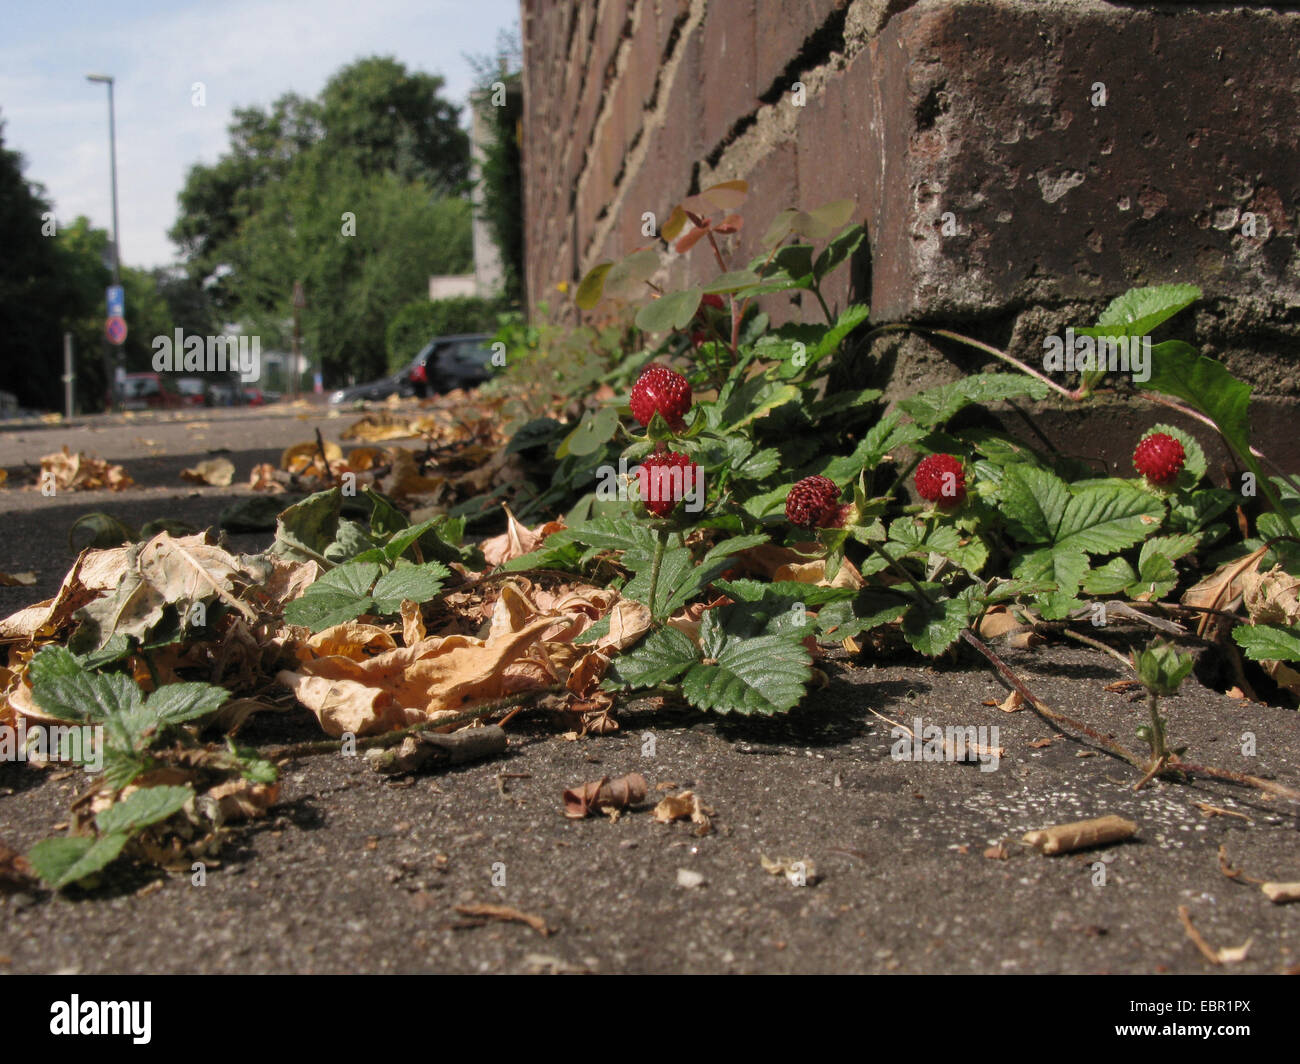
[357, 194]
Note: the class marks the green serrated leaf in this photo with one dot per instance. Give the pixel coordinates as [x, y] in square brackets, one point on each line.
[64, 861]
[1139, 310]
[417, 583]
[342, 594]
[838, 250]
[746, 674]
[1268, 642]
[661, 657]
[934, 406]
[146, 806]
[1179, 371]
[933, 628]
[175, 703]
[1113, 578]
[596, 428]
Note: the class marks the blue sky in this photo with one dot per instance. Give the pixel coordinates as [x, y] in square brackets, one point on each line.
[245, 52]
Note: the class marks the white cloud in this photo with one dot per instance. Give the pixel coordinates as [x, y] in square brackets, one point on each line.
[246, 53]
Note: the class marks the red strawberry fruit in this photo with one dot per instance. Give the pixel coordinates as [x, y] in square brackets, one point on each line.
[666, 478]
[814, 503]
[1159, 458]
[941, 479]
[661, 390]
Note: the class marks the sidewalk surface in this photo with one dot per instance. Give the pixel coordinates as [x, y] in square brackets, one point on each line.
[355, 872]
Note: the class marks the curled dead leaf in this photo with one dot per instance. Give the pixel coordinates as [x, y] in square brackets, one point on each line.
[604, 794]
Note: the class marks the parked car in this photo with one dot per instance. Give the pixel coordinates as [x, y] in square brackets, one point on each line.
[192, 390]
[148, 391]
[254, 397]
[449, 362]
[374, 390]
[222, 394]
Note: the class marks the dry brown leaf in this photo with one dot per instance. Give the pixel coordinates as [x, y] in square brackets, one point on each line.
[1222, 587]
[17, 579]
[15, 872]
[1271, 598]
[404, 479]
[516, 541]
[439, 676]
[302, 456]
[1013, 703]
[684, 806]
[82, 472]
[412, 623]
[93, 571]
[243, 799]
[263, 478]
[999, 622]
[381, 425]
[218, 472]
[604, 794]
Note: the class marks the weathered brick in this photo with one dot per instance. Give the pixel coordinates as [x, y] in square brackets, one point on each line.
[726, 68]
[1054, 198]
[780, 33]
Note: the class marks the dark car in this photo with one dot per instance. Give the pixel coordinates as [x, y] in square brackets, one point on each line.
[374, 390]
[449, 362]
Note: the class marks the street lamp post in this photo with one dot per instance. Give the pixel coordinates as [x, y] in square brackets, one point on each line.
[107, 79]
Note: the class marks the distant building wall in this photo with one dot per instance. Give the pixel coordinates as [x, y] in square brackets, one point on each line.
[448, 286]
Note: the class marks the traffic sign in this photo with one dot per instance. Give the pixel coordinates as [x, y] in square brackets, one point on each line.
[115, 330]
[116, 301]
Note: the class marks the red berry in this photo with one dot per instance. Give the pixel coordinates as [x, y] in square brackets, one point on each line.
[814, 503]
[1159, 458]
[714, 301]
[940, 478]
[666, 478]
[663, 390]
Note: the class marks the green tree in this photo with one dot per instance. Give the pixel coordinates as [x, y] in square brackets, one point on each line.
[33, 288]
[362, 246]
[350, 194]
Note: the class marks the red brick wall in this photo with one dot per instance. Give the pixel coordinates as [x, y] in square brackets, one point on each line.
[917, 108]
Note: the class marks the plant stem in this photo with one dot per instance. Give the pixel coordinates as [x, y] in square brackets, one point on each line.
[1158, 752]
[979, 345]
[1041, 708]
[661, 541]
[901, 570]
[816, 290]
